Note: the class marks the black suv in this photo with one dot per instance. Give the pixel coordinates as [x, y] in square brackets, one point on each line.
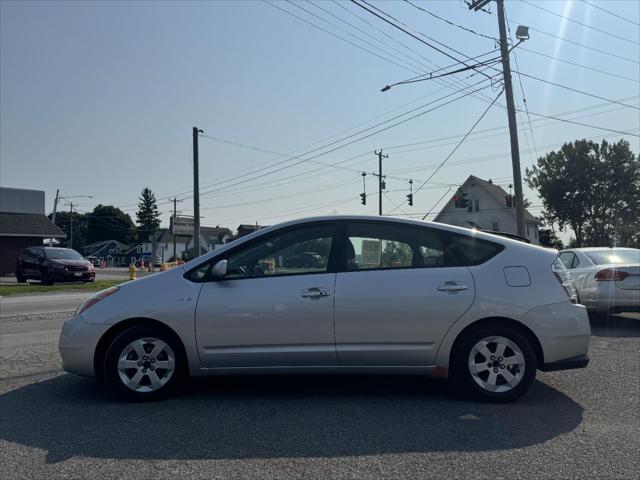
[51, 265]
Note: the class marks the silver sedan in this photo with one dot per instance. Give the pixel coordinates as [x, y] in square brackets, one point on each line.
[382, 295]
[606, 279]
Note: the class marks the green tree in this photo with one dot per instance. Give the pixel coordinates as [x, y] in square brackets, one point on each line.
[63, 221]
[396, 252]
[592, 188]
[107, 222]
[148, 215]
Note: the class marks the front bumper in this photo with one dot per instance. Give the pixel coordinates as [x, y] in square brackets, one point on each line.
[71, 276]
[77, 345]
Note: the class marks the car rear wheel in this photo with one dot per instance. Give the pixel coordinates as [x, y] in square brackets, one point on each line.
[143, 363]
[20, 277]
[493, 363]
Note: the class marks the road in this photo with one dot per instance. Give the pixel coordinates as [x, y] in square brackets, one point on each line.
[42, 303]
[576, 424]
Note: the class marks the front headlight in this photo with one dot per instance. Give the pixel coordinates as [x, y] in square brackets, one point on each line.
[58, 266]
[93, 299]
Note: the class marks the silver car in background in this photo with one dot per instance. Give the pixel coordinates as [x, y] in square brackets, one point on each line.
[606, 279]
[382, 295]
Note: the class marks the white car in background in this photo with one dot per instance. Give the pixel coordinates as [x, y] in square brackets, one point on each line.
[606, 279]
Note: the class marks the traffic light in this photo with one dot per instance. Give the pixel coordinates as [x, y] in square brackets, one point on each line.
[463, 202]
[363, 198]
[456, 201]
[410, 199]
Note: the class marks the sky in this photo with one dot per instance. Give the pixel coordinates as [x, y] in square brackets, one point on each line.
[100, 98]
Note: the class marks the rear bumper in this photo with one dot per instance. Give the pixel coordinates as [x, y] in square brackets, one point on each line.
[562, 329]
[581, 361]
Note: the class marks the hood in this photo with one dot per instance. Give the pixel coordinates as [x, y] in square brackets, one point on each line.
[70, 263]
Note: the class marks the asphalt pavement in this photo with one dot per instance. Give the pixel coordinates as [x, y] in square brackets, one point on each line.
[578, 424]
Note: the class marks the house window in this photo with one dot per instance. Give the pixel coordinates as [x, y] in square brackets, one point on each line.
[495, 227]
[476, 205]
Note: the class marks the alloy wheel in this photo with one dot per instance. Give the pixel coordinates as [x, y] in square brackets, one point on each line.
[496, 364]
[146, 364]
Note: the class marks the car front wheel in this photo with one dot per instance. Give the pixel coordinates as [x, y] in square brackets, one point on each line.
[493, 363]
[143, 363]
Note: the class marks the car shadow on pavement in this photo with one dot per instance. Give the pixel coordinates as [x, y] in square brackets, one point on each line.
[275, 417]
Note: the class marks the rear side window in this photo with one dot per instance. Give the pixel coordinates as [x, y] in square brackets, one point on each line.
[467, 250]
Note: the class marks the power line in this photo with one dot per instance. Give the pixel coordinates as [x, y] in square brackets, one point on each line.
[577, 44]
[458, 145]
[338, 36]
[611, 13]
[566, 87]
[586, 67]
[613, 35]
[412, 50]
[355, 140]
[583, 124]
[436, 204]
[450, 22]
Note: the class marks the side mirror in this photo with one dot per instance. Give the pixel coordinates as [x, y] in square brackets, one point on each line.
[219, 269]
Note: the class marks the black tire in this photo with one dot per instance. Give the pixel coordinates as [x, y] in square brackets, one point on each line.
[20, 277]
[461, 378]
[112, 374]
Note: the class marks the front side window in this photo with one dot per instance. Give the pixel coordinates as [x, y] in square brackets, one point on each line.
[569, 259]
[375, 246]
[300, 251]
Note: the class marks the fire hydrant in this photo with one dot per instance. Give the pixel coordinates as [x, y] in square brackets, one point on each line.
[132, 272]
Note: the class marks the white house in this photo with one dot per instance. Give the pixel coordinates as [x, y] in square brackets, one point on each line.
[210, 237]
[488, 210]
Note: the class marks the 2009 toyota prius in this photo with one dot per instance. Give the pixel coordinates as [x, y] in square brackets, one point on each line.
[339, 295]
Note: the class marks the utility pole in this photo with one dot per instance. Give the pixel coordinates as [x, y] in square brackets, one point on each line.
[71, 227]
[513, 127]
[511, 112]
[53, 216]
[196, 194]
[175, 212]
[381, 182]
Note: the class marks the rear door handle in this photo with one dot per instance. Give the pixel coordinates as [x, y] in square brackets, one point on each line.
[314, 292]
[452, 287]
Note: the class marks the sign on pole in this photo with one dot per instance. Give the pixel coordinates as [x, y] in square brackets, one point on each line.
[181, 225]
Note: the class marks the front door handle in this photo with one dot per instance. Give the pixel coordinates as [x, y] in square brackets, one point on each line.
[314, 292]
[452, 287]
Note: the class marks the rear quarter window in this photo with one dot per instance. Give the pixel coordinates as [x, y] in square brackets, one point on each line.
[467, 250]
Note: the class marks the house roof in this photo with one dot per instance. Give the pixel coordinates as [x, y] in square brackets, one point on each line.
[216, 233]
[28, 225]
[164, 236]
[496, 191]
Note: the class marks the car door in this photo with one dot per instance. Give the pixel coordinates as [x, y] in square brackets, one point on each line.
[272, 308]
[397, 296]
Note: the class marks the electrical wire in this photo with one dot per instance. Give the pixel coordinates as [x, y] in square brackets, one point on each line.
[584, 25]
[612, 13]
[451, 23]
[458, 145]
[584, 124]
[586, 67]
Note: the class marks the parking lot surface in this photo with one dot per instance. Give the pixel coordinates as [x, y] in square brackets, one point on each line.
[573, 424]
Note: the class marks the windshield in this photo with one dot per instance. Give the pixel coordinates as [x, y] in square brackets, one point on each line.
[63, 254]
[615, 256]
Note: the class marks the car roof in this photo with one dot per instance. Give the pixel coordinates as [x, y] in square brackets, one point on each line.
[596, 249]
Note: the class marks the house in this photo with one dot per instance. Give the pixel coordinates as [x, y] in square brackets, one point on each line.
[210, 238]
[23, 224]
[489, 208]
[247, 229]
[107, 250]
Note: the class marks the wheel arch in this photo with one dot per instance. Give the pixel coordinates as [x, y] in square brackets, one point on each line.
[107, 338]
[502, 321]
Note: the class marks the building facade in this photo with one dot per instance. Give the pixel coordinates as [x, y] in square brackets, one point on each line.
[489, 208]
[23, 224]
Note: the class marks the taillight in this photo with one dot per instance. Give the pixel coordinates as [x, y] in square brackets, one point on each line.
[611, 275]
[564, 277]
